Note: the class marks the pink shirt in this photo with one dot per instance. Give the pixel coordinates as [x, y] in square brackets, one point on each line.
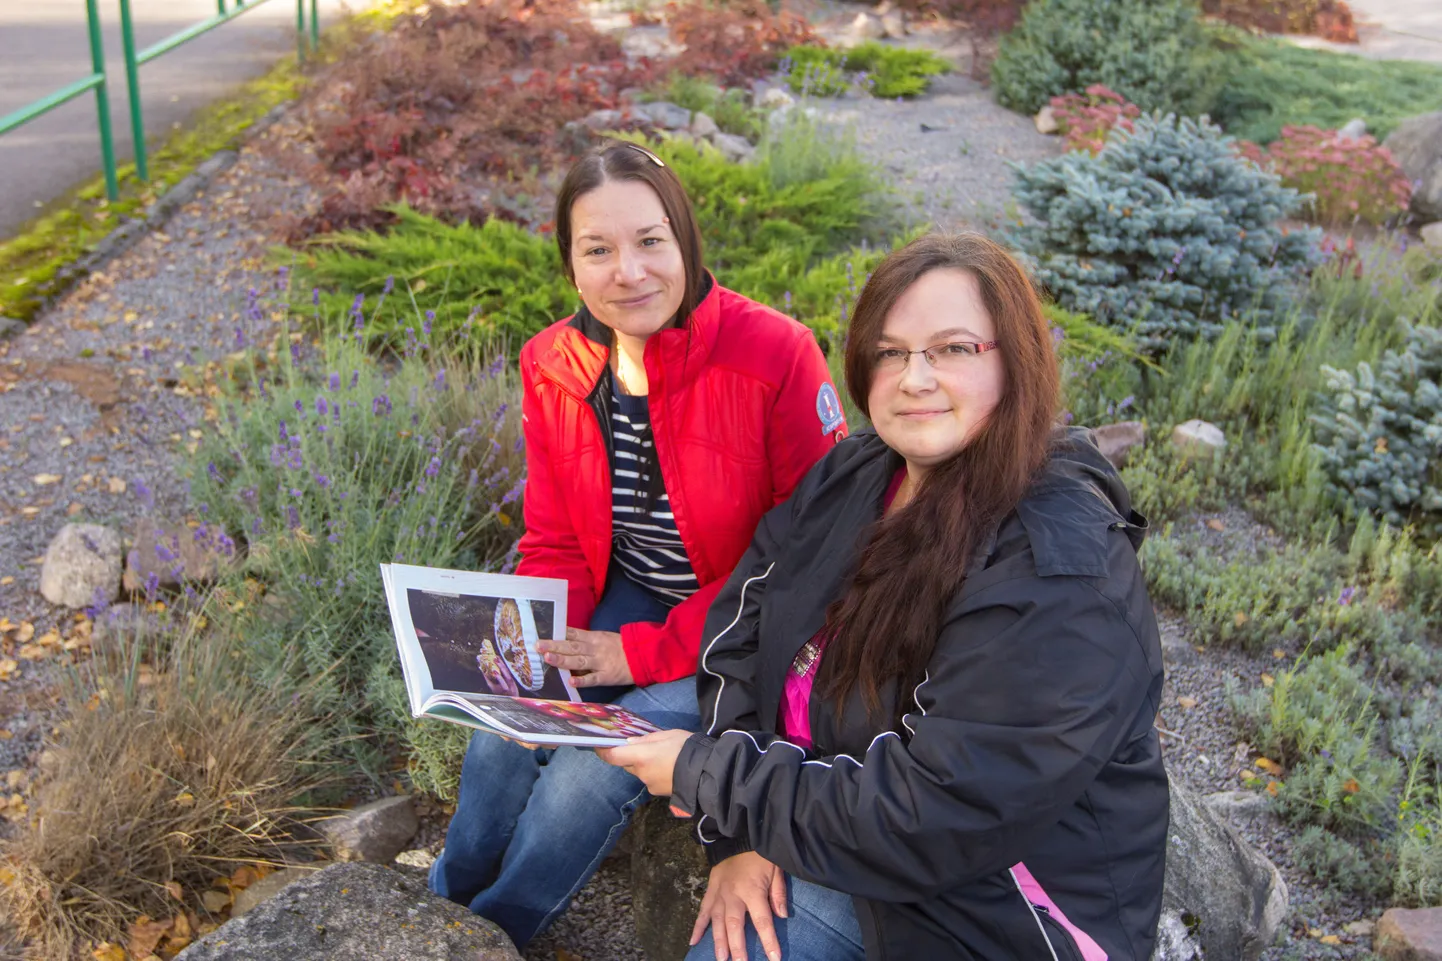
[793, 718]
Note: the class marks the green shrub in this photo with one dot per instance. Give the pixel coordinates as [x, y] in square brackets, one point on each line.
[1380, 433]
[1265, 84]
[882, 70]
[730, 108]
[1418, 879]
[1356, 868]
[1165, 231]
[1145, 50]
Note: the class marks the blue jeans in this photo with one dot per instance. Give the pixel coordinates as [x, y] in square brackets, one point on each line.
[532, 826]
[822, 927]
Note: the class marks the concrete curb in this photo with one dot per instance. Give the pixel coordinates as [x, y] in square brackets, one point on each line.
[127, 234]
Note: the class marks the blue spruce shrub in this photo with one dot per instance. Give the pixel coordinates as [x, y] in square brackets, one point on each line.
[1153, 52]
[1379, 433]
[1166, 231]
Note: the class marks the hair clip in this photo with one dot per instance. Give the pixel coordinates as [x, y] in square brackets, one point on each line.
[649, 155]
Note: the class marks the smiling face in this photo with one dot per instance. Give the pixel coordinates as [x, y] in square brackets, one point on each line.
[928, 414]
[626, 260]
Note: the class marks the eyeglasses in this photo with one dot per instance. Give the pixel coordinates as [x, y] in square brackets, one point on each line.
[893, 360]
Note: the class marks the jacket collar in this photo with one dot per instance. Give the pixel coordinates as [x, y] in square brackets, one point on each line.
[581, 350]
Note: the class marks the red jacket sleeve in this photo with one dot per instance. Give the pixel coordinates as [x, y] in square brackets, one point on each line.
[549, 547]
[795, 440]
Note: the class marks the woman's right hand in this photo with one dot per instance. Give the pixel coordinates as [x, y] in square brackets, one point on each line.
[743, 884]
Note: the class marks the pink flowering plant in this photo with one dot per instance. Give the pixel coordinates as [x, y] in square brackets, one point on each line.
[1351, 179]
[1087, 119]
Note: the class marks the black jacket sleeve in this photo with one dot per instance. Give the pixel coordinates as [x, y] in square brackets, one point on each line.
[1035, 684]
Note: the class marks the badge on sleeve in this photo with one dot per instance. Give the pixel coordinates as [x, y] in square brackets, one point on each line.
[828, 408]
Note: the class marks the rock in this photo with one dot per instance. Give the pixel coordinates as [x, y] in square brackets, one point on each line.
[1360, 929]
[247, 899]
[893, 24]
[775, 98]
[1354, 129]
[734, 148]
[1409, 934]
[10, 327]
[1116, 440]
[1239, 807]
[602, 120]
[1197, 438]
[1432, 235]
[1045, 121]
[1236, 895]
[172, 554]
[664, 114]
[372, 832]
[82, 566]
[703, 127]
[1175, 647]
[416, 859]
[668, 877]
[866, 26]
[1416, 145]
[355, 912]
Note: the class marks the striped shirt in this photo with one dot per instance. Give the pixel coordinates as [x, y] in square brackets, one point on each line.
[645, 544]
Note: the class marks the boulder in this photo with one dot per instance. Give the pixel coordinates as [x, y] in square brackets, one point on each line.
[82, 566]
[602, 120]
[775, 98]
[1197, 438]
[1408, 934]
[355, 912]
[664, 114]
[866, 26]
[1416, 145]
[10, 327]
[1116, 440]
[374, 832]
[248, 899]
[1432, 235]
[1219, 887]
[734, 148]
[893, 24]
[703, 127]
[1045, 121]
[668, 878]
[172, 553]
[1354, 129]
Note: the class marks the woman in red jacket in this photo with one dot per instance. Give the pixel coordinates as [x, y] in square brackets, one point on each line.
[662, 421]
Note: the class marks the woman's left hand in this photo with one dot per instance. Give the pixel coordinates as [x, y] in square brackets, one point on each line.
[651, 757]
[594, 658]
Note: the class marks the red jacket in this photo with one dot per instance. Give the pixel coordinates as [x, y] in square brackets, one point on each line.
[741, 406]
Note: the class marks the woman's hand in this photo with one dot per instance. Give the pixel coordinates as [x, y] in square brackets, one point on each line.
[594, 658]
[740, 885]
[651, 757]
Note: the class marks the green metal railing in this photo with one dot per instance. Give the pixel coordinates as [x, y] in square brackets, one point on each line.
[96, 80]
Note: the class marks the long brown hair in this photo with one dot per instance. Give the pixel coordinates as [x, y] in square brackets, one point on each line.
[885, 625]
[622, 160]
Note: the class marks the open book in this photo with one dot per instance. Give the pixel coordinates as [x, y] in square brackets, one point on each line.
[467, 644]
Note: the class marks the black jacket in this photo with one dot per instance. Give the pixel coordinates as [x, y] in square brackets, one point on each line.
[1033, 756]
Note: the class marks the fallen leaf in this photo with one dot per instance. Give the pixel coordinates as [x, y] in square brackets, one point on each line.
[1187, 702]
[7, 877]
[1272, 788]
[1351, 786]
[6, 580]
[45, 480]
[215, 901]
[175, 890]
[27, 631]
[116, 485]
[75, 508]
[145, 935]
[1278, 653]
[1269, 765]
[107, 951]
[1216, 524]
[1240, 618]
[1330, 939]
[50, 637]
[1268, 680]
[185, 799]
[31, 652]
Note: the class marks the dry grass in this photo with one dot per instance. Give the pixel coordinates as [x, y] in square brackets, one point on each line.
[166, 776]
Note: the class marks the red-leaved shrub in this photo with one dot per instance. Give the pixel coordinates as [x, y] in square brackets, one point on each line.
[733, 42]
[1353, 179]
[1085, 119]
[1328, 19]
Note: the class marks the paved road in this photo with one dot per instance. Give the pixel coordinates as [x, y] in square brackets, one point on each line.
[43, 46]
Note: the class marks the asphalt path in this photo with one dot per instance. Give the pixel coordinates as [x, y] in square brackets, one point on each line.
[44, 45]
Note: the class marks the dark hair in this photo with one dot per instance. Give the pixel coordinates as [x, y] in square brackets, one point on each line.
[622, 160]
[885, 625]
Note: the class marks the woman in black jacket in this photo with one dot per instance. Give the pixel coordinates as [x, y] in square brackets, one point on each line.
[975, 774]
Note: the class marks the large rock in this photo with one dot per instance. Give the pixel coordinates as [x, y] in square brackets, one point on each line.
[866, 26]
[664, 114]
[1045, 121]
[1222, 898]
[1197, 438]
[703, 127]
[355, 912]
[248, 899]
[172, 553]
[1218, 886]
[1406, 934]
[734, 148]
[1116, 440]
[82, 566]
[1416, 145]
[372, 832]
[1432, 236]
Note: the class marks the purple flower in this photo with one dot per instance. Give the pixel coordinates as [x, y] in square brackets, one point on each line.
[321, 408]
[277, 454]
[152, 584]
[335, 381]
[434, 467]
[322, 481]
[1126, 402]
[295, 460]
[315, 296]
[239, 338]
[390, 285]
[1345, 598]
[144, 494]
[255, 527]
[440, 383]
[213, 471]
[295, 492]
[381, 406]
[354, 379]
[430, 319]
[292, 517]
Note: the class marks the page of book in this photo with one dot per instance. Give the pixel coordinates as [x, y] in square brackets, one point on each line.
[546, 722]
